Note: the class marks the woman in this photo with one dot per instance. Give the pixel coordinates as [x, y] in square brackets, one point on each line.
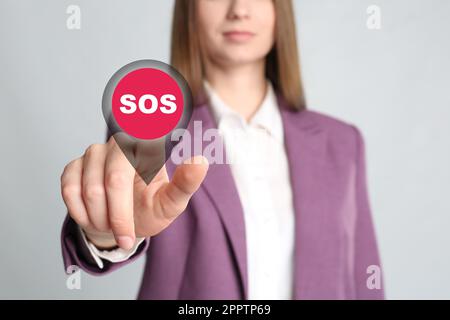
[289, 218]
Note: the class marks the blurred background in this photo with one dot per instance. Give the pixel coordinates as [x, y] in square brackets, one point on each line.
[393, 83]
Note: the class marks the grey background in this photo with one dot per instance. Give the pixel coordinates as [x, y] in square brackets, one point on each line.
[392, 83]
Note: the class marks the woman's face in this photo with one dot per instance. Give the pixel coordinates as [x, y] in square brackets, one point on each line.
[234, 32]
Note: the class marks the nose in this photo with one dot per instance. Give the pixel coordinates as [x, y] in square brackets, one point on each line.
[239, 9]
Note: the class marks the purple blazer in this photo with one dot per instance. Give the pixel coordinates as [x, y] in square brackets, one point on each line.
[202, 254]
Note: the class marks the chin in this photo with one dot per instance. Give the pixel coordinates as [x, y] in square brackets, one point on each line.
[239, 57]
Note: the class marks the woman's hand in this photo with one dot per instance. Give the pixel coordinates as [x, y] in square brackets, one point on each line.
[109, 200]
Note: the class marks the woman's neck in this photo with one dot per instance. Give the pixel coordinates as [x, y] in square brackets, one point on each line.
[242, 87]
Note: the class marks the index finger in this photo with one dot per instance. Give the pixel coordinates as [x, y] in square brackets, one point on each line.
[119, 178]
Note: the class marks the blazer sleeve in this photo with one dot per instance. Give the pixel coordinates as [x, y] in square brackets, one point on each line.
[367, 264]
[76, 253]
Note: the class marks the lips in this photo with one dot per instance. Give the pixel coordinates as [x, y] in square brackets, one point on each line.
[238, 35]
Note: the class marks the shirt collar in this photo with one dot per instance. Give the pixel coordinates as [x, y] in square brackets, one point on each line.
[267, 117]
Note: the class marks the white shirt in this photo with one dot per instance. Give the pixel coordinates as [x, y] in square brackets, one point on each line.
[260, 170]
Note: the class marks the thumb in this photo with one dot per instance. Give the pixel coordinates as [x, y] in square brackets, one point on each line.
[185, 181]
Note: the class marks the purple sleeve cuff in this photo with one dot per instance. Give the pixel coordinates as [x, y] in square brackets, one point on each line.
[75, 251]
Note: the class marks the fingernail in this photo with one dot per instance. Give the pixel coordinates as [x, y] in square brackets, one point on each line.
[125, 242]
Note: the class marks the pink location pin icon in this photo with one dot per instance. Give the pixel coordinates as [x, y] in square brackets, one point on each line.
[143, 103]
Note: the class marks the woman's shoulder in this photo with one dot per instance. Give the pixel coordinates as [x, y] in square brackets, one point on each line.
[331, 124]
[340, 133]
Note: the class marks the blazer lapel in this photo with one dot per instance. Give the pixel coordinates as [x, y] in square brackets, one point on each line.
[221, 189]
[305, 143]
